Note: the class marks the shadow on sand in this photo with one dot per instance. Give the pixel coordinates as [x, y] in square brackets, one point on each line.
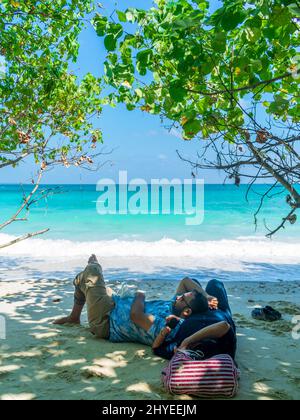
[41, 361]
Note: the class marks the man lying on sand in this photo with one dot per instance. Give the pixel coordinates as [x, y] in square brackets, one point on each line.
[115, 318]
[213, 332]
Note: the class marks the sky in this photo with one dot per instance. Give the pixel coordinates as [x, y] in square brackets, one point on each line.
[138, 142]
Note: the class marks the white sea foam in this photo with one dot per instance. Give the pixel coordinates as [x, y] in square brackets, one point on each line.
[239, 250]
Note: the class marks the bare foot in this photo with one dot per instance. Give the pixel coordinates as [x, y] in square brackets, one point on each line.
[93, 259]
[66, 320]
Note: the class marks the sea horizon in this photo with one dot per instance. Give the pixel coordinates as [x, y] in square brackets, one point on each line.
[225, 244]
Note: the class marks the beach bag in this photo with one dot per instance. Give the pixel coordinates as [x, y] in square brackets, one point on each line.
[212, 378]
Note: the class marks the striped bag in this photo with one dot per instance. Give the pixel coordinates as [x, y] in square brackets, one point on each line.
[212, 378]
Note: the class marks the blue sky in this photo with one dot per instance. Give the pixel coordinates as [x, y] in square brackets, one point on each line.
[139, 143]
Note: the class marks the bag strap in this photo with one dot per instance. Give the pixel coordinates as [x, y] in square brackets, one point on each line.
[191, 354]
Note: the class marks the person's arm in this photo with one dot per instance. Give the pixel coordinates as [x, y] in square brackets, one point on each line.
[161, 337]
[137, 313]
[188, 285]
[213, 331]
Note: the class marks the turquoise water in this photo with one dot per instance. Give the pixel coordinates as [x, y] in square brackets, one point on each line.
[72, 215]
[225, 246]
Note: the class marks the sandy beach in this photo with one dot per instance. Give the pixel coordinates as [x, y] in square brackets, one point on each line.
[164, 138]
[41, 361]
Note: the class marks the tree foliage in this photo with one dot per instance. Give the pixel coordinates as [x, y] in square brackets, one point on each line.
[45, 110]
[229, 76]
[202, 63]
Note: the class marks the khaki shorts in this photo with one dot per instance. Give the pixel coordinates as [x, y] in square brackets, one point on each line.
[90, 288]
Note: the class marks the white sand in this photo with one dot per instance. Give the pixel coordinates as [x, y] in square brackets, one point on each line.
[41, 361]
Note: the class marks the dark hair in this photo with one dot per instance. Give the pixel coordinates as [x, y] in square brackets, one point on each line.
[199, 303]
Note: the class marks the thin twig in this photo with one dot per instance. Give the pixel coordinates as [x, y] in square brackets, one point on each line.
[282, 225]
[25, 203]
[24, 238]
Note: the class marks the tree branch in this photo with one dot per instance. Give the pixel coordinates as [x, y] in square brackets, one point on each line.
[271, 170]
[25, 203]
[14, 161]
[24, 238]
[241, 89]
[282, 225]
[220, 166]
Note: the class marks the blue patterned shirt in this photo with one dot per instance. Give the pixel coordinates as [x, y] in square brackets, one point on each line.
[122, 329]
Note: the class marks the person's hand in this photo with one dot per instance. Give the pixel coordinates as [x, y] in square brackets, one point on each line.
[213, 302]
[185, 345]
[170, 317]
[165, 332]
[66, 320]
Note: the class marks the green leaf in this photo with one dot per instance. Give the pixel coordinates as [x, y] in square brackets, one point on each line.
[116, 30]
[110, 42]
[100, 24]
[219, 42]
[231, 19]
[121, 16]
[294, 9]
[253, 34]
[202, 5]
[177, 92]
[144, 57]
[192, 128]
[141, 68]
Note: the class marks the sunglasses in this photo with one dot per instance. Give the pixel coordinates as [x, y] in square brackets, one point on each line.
[182, 298]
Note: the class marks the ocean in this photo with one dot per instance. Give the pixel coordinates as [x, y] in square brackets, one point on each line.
[227, 244]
